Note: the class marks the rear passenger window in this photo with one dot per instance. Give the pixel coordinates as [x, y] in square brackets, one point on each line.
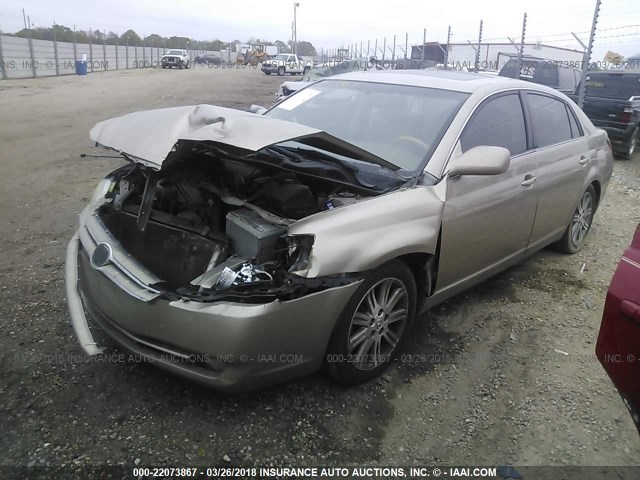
[498, 122]
[549, 120]
[576, 132]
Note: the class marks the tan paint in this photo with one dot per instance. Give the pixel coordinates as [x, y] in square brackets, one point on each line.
[362, 236]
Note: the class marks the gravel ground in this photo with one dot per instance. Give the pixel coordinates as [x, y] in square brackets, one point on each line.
[502, 374]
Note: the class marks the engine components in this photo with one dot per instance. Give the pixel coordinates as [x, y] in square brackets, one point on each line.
[251, 235]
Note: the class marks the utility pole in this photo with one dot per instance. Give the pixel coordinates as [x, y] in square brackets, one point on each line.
[393, 55]
[32, 55]
[477, 64]
[75, 48]
[3, 68]
[406, 44]
[55, 48]
[295, 28]
[587, 55]
[104, 49]
[521, 50]
[446, 52]
[91, 49]
[424, 42]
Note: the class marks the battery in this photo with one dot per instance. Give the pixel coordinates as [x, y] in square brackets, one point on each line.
[251, 235]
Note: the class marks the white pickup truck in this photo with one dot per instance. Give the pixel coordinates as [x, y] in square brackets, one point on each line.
[176, 58]
[286, 63]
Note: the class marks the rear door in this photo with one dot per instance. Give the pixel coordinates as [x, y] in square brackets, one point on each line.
[562, 153]
[487, 220]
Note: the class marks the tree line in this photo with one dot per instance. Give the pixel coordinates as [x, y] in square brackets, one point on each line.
[130, 37]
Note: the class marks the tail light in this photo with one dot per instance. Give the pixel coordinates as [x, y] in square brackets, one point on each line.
[609, 143]
[626, 115]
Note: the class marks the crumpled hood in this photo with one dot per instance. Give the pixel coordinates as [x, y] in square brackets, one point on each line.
[149, 136]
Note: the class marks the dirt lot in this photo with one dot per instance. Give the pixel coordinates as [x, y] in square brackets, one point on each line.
[485, 382]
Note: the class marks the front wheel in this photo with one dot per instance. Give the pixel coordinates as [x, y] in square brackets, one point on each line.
[281, 71]
[373, 325]
[580, 224]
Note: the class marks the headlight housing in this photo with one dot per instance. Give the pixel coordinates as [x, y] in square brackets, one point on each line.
[104, 186]
[298, 251]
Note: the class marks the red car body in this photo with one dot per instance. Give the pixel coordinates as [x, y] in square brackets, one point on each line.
[618, 347]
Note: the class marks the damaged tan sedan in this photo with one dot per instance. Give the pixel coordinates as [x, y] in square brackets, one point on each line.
[244, 249]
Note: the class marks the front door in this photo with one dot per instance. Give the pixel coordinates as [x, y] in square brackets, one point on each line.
[487, 219]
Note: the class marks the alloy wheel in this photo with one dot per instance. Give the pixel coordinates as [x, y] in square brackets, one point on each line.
[378, 323]
[582, 219]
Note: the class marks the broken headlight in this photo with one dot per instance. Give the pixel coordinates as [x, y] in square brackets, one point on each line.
[104, 186]
[298, 251]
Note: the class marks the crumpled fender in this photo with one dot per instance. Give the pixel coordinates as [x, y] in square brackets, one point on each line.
[365, 235]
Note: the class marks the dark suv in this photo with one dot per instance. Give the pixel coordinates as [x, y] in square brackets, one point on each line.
[612, 102]
[545, 72]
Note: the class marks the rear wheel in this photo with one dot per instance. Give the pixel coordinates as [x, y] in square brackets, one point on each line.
[373, 325]
[633, 144]
[580, 224]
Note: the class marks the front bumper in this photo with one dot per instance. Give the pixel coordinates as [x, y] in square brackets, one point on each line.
[227, 346]
[269, 68]
[171, 62]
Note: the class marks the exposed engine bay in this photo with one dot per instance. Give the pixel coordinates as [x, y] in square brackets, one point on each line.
[210, 225]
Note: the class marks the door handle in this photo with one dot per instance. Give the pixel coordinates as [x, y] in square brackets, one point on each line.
[529, 180]
[583, 159]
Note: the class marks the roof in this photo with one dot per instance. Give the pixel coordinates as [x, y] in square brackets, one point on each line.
[443, 79]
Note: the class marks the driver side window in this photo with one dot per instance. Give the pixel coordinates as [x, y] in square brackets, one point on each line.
[498, 122]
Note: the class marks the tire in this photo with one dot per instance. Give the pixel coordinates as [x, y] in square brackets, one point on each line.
[364, 361]
[633, 145]
[281, 71]
[267, 73]
[580, 223]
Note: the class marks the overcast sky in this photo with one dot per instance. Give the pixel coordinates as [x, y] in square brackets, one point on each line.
[331, 23]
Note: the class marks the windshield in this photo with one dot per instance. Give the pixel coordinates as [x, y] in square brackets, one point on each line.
[283, 57]
[400, 124]
[174, 52]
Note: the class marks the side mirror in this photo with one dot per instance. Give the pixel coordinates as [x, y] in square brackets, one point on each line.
[482, 160]
[257, 109]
